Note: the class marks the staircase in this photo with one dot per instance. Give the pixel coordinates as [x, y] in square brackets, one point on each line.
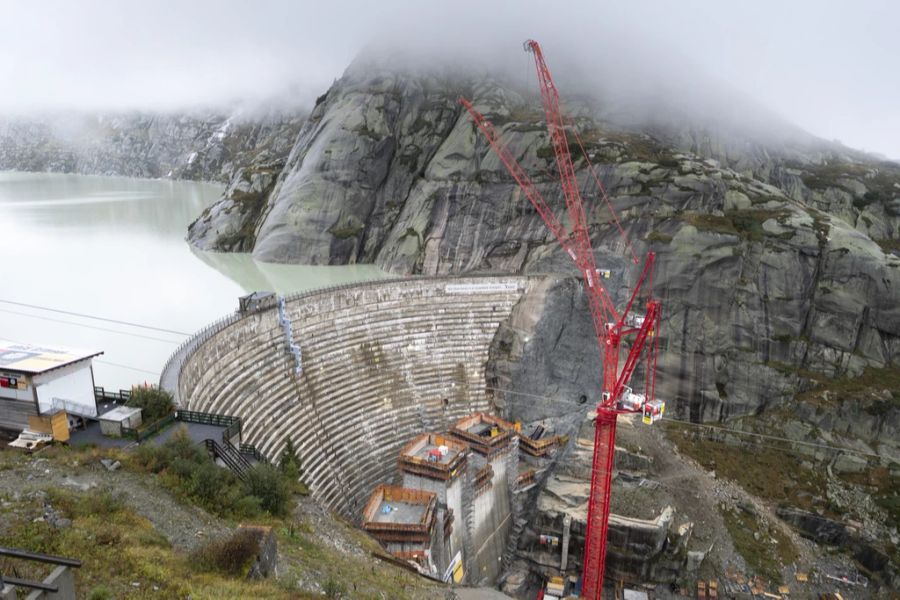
[229, 455]
[288, 329]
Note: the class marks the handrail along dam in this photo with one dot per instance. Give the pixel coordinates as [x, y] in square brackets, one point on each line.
[382, 362]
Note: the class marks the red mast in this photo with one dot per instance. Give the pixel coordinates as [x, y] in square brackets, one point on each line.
[609, 326]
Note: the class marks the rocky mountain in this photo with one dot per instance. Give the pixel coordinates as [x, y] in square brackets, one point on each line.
[772, 261]
[208, 146]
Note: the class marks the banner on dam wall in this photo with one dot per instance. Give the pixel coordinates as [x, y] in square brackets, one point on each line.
[482, 287]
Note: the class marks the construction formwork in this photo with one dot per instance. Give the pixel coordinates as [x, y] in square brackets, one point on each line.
[434, 456]
[403, 520]
[485, 434]
[437, 463]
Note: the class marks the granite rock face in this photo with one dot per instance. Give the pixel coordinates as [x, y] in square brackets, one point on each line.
[770, 262]
[205, 146]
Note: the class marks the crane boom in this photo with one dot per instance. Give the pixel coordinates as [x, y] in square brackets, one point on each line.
[610, 326]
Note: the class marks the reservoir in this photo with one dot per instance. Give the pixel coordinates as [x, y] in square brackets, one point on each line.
[114, 248]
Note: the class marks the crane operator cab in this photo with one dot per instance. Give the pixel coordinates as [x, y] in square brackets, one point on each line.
[651, 411]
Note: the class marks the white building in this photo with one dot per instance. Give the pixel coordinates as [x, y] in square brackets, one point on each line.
[37, 380]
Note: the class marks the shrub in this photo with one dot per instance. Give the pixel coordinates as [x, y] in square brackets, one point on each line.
[290, 465]
[231, 555]
[101, 592]
[267, 484]
[333, 588]
[154, 402]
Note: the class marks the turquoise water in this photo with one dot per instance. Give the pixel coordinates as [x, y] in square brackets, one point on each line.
[114, 247]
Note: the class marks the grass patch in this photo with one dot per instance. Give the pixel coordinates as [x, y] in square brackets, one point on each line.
[232, 555]
[888, 246]
[747, 224]
[764, 549]
[879, 179]
[658, 236]
[765, 472]
[868, 389]
[350, 227]
[117, 548]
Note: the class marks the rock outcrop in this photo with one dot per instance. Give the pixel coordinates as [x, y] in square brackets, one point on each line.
[770, 269]
[209, 146]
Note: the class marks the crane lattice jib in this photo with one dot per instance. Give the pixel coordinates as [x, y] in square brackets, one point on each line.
[597, 299]
[610, 326]
[574, 204]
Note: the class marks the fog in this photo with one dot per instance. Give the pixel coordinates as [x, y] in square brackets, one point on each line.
[828, 67]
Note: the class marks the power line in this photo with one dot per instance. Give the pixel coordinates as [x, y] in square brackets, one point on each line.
[146, 337]
[75, 314]
[726, 429]
[106, 362]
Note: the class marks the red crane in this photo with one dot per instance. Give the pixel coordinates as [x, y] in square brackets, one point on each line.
[610, 326]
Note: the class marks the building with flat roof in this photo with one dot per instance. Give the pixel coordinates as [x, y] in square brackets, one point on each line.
[40, 380]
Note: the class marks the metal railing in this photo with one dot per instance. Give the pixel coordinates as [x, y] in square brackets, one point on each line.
[202, 418]
[168, 380]
[60, 561]
[120, 397]
[230, 456]
[142, 433]
[251, 450]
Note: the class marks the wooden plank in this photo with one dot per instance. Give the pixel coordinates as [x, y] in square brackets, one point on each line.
[59, 424]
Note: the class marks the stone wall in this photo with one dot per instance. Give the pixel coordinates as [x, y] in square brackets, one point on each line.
[383, 361]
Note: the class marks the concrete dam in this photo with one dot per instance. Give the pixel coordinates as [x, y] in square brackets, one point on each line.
[369, 379]
[381, 363]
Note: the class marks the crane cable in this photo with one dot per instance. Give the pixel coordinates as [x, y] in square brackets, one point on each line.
[604, 195]
[729, 430]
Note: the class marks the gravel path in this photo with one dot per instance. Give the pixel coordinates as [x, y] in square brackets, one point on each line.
[184, 526]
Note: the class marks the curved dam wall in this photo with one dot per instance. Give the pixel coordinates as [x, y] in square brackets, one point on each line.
[382, 362]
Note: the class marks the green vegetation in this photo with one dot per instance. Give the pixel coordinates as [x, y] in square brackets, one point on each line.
[186, 469]
[764, 549]
[879, 178]
[232, 555]
[291, 468]
[888, 246]
[120, 548]
[882, 486]
[658, 236]
[769, 473]
[633, 146]
[155, 403]
[867, 390]
[271, 487]
[351, 227]
[116, 547]
[746, 224]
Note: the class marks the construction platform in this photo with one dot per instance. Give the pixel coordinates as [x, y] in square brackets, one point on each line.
[434, 456]
[396, 514]
[485, 434]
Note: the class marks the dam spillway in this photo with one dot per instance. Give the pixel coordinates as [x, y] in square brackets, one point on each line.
[382, 362]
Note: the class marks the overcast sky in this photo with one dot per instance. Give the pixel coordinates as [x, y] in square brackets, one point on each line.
[830, 67]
